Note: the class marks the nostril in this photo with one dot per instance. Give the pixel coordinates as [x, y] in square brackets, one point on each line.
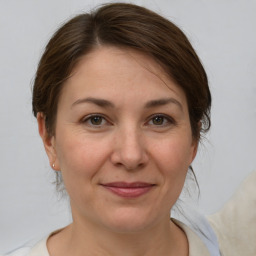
[130, 165]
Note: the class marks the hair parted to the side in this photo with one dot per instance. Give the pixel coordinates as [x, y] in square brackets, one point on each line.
[127, 26]
[122, 25]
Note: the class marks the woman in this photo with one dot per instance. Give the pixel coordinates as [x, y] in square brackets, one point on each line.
[121, 99]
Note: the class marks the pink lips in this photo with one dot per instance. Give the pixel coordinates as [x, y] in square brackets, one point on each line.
[129, 190]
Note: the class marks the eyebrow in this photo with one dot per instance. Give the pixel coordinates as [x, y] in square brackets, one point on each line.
[105, 103]
[99, 102]
[162, 102]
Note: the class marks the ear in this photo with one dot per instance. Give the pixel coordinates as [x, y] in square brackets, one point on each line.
[194, 147]
[48, 141]
[195, 143]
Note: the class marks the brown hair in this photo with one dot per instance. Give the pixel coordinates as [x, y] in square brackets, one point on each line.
[122, 25]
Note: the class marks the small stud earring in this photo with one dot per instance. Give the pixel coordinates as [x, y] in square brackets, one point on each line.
[53, 165]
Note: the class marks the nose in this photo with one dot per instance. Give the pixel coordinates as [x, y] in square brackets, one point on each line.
[129, 150]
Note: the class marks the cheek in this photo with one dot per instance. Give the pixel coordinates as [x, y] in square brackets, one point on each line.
[175, 154]
[173, 158]
[80, 159]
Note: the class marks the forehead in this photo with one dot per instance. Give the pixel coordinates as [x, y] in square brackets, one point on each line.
[109, 71]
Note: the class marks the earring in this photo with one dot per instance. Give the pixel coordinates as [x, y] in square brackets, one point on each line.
[53, 166]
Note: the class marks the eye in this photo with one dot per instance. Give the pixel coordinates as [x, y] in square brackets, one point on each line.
[161, 120]
[158, 120]
[94, 120]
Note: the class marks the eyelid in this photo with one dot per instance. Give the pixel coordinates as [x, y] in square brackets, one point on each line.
[171, 120]
[86, 118]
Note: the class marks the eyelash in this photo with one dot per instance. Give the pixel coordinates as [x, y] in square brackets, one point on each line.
[88, 119]
[166, 119]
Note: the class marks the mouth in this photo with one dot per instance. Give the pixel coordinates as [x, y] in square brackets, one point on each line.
[128, 190]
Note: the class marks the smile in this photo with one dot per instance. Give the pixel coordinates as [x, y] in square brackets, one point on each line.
[129, 190]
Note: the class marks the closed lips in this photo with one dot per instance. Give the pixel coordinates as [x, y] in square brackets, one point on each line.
[128, 185]
[128, 190]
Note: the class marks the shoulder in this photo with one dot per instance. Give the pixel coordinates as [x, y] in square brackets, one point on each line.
[235, 223]
[19, 252]
[201, 238]
[36, 249]
[39, 249]
[196, 245]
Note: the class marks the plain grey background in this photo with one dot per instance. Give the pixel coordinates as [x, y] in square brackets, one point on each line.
[223, 34]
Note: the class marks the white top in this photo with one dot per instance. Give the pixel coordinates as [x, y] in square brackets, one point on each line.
[196, 246]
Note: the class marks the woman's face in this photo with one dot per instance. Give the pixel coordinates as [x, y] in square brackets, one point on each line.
[123, 140]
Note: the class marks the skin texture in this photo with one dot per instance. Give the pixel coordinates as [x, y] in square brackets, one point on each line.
[141, 134]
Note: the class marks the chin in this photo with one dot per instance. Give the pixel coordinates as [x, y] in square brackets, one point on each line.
[129, 221]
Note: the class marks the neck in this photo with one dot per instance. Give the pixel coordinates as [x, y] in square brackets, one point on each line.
[82, 238]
